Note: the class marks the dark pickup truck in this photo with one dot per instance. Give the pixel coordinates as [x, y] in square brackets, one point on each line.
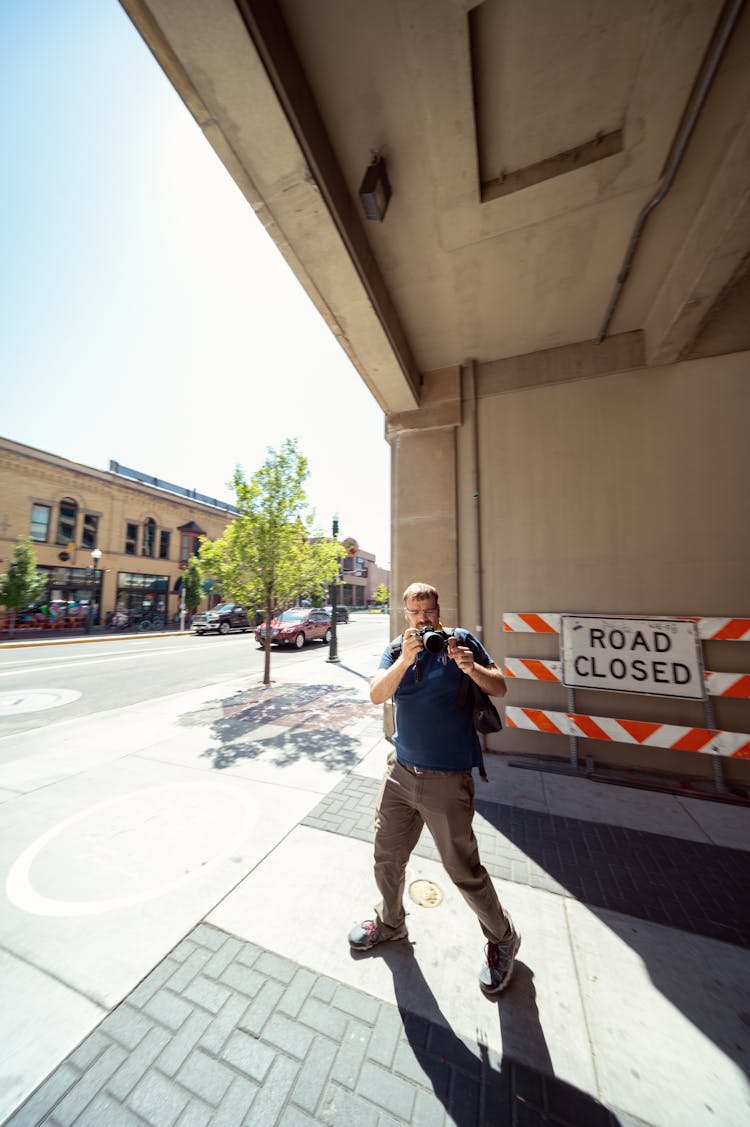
[224, 619]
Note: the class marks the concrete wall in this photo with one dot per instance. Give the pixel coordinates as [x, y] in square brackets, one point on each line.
[625, 492]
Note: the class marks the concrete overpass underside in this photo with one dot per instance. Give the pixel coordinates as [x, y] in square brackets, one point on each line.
[553, 312]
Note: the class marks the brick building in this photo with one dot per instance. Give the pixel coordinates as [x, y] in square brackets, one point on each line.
[360, 578]
[146, 531]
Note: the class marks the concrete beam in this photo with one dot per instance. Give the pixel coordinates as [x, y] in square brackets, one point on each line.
[440, 405]
[708, 260]
[581, 361]
[235, 68]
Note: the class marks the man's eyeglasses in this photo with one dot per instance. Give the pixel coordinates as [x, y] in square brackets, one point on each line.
[421, 610]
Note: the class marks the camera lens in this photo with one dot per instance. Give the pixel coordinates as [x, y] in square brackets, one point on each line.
[433, 642]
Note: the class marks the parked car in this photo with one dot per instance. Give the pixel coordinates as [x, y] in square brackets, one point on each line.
[342, 613]
[296, 626]
[222, 620]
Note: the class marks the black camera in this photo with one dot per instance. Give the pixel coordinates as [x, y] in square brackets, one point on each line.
[434, 641]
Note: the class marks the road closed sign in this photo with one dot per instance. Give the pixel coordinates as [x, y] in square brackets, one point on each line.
[658, 656]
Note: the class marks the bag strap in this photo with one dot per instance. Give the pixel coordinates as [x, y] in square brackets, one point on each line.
[462, 693]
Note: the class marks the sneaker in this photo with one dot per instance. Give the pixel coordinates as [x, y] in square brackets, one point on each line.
[368, 934]
[496, 972]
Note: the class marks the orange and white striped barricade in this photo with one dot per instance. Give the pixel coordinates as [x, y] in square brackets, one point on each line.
[573, 724]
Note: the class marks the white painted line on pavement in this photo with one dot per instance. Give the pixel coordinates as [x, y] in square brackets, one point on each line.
[34, 700]
[67, 655]
[24, 669]
[130, 845]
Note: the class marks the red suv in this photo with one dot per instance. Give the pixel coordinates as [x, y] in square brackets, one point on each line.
[296, 626]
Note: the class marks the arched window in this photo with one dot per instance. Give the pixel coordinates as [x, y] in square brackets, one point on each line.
[66, 521]
[149, 536]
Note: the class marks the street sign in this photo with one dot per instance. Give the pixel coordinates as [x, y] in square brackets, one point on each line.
[656, 656]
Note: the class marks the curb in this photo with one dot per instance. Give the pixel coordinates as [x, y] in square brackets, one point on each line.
[17, 645]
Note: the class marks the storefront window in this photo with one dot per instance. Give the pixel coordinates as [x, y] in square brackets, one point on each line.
[40, 515]
[73, 596]
[66, 522]
[141, 601]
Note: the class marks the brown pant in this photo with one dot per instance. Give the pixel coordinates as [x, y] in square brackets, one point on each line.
[443, 801]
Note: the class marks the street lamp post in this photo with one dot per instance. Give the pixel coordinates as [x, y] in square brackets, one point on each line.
[333, 652]
[96, 555]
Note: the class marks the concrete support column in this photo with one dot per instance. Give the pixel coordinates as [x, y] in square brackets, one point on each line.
[424, 515]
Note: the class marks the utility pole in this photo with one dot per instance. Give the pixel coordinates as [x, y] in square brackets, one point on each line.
[333, 652]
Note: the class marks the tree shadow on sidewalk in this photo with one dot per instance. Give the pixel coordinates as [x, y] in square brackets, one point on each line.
[284, 725]
[476, 1086]
[331, 750]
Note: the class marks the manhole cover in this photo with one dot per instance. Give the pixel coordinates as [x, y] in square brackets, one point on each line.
[34, 700]
[425, 893]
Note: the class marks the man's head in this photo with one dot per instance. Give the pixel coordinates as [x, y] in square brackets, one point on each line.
[421, 606]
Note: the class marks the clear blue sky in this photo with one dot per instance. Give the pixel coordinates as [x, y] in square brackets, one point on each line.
[145, 314]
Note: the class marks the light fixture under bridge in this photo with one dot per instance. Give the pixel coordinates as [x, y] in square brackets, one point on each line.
[375, 189]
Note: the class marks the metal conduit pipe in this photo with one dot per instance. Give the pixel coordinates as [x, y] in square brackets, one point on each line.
[469, 395]
[724, 29]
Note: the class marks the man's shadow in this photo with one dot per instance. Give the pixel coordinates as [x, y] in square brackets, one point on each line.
[476, 1086]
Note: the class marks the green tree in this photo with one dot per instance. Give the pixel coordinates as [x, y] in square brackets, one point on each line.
[22, 583]
[268, 556]
[192, 582]
[381, 594]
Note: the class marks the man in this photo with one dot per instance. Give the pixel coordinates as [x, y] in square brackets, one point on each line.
[428, 780]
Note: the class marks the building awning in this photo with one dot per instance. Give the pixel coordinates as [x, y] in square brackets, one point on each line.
[207, 585]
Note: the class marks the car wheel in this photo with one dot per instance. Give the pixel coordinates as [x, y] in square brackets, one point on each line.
[299, 641]
[327, 638]
[224, 627]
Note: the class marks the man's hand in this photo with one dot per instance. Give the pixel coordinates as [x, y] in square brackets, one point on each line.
[412, 646]
[488, 677]
[462, 655]
[385, 682]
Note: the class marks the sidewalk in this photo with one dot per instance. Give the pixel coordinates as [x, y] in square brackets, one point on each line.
[24, 639]
[181, 878]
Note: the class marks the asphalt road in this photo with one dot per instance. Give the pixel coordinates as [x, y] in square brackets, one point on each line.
[41, 685]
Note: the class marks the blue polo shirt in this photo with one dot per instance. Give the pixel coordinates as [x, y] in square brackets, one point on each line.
[432, 732]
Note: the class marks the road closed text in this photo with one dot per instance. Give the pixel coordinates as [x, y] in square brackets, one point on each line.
[656, 656]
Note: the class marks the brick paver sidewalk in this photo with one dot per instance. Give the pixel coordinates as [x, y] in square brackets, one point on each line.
[696, 887]
[225, 1033]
